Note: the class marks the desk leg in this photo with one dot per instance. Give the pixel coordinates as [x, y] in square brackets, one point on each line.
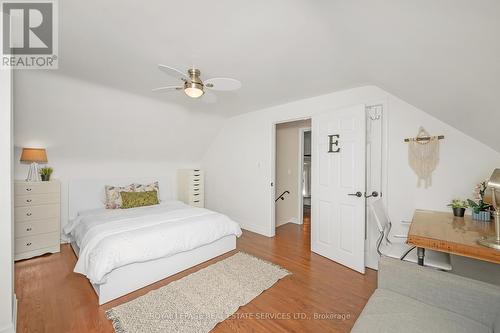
[420, 255]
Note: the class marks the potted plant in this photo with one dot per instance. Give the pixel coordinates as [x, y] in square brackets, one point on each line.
[45, 173]
[480, 209]
[459, 206]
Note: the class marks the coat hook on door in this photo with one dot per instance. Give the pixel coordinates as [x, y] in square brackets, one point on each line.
[374, 111]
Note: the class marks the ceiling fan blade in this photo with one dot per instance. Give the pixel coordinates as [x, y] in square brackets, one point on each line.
[167, 88]
[209, 97]
[222, 84]
[173, 72]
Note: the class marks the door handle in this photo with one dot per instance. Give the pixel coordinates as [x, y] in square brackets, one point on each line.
[357, 194]
[374, 194]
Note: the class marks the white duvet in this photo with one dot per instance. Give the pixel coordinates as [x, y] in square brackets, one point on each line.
[111, 238]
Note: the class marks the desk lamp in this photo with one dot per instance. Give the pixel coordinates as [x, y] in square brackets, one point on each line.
[494, 184]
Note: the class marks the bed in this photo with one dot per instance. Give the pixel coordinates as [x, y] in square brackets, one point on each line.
[122, 250]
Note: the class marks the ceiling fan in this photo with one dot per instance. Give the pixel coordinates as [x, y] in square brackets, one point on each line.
[194, 86]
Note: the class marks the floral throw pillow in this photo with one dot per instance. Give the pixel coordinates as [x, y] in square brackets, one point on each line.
[113, 196]
[155, 186]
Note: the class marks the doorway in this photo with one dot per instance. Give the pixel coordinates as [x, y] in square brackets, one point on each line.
[292, 201]
[347, 162]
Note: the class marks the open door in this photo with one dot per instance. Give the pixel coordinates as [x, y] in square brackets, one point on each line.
[338, 185]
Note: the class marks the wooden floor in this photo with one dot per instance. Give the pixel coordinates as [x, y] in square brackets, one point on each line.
[319, 296]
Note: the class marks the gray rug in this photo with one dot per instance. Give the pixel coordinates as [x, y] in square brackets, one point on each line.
[197, 302]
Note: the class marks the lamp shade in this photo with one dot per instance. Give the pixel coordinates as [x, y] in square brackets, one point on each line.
[493, 185]
[494, 181]
[38, 155]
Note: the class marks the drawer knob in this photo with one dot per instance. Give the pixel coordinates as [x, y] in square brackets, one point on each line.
[28, 229]
[28, 200]
[28, 244]
[28, 214]
[28, 189]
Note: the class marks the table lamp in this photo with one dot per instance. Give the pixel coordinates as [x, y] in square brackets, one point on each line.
[33, 156]
[494, 185]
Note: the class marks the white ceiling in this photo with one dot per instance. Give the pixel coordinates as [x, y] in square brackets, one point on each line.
[441, 56]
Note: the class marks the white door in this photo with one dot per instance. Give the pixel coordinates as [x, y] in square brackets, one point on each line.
[338, 186]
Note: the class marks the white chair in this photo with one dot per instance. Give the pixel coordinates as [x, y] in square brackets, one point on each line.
[401, 250]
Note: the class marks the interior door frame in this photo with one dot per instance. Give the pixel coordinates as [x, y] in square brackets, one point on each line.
[271, 227]
[272, 189]
[302, 131]
[371, 259]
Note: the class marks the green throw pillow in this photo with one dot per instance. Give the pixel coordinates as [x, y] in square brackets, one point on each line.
[139, 199]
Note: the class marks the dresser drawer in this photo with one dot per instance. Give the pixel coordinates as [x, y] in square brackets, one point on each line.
[196, 188]
[31, 243]
[30, 213]
[196, 200]
[195, 175]
[196, 180]
[36, 227]
[36, 199]
[22, 188]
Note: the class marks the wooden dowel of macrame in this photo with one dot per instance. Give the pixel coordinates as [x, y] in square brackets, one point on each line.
[424, 138]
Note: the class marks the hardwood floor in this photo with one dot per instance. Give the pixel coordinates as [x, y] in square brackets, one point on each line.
[51, 298]
[306, 221]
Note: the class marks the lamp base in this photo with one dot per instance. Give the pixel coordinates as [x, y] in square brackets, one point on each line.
[491, 242]
[33, 173]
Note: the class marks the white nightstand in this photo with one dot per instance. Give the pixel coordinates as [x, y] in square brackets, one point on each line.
[36, 218]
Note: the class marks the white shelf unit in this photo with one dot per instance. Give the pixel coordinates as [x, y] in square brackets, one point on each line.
[191, 187]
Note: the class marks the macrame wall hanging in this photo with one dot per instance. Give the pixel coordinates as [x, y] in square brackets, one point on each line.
[423, 156]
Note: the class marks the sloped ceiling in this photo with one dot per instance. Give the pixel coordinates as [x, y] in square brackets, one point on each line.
[441, 56]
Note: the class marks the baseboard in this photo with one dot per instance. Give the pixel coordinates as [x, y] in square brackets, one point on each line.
[8, 329]
[293, 220]
[14, 313]
[256, 229]
[11, 327]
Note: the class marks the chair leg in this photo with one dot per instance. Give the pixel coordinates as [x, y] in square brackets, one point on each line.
[420, 255]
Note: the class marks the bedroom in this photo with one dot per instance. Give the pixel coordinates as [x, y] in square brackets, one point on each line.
[390, 67]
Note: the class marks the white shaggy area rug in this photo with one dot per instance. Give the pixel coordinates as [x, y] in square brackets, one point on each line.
[199, 301]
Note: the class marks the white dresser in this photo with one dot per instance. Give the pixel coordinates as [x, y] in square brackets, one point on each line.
[190, 187]
[36, 218]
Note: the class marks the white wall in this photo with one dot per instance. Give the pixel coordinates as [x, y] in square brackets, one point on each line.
[464, 162]
[93, 131]
[6, 220]
[288, 167]
[238, 163]
[240, 185]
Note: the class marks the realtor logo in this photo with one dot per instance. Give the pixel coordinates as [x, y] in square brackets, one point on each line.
[29, 34]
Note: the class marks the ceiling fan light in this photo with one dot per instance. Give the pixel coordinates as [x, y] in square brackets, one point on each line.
[193, 89]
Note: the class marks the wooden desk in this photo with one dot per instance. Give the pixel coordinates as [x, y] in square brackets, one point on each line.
[443, 232]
